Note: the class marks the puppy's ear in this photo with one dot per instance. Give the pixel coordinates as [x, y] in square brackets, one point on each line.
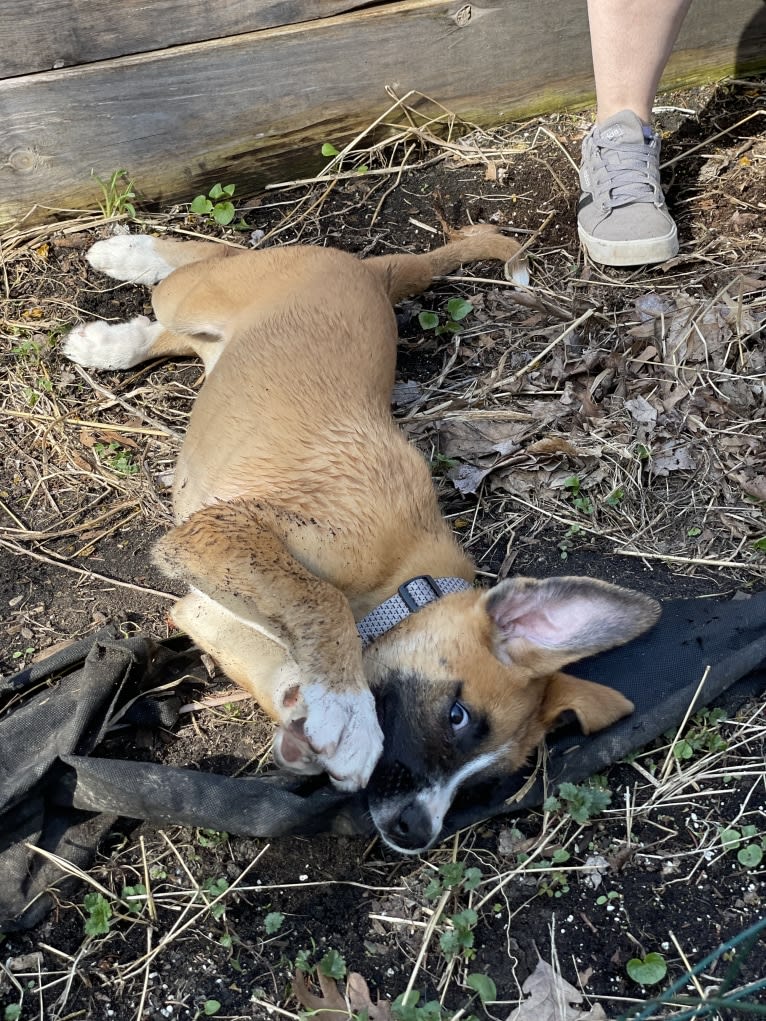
[595, 705]
[543, 625]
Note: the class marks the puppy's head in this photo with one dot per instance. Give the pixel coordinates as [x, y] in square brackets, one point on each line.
[468, 686]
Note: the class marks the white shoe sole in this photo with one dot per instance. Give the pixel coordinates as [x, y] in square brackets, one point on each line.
[637, 252]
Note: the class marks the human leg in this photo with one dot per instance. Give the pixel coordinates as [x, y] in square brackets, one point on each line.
[622, 217]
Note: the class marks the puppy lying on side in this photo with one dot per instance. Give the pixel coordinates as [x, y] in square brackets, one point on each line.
[309, 534]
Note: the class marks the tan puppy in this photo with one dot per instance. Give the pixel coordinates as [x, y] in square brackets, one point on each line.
[301, 508]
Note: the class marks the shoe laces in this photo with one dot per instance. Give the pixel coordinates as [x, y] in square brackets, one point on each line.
[626, 172]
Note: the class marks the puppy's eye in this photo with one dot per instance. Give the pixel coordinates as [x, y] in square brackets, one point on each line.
[459, 717]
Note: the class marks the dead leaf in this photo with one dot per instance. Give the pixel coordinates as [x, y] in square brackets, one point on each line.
[469, 439]
[552, 445]
[334, 1005]
[755, 486]
[467, 478]
[671, 457]
[550, 998]
[641, 411]
[490, 174]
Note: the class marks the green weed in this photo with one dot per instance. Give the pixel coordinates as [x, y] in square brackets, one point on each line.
[272, 923]
[745, 841]
[99, 914]
[580, 501]
[582, 802]
[449, 320]
[702, 736]
[116, 457]
[648, 970]
[117, 194]
[216, 205]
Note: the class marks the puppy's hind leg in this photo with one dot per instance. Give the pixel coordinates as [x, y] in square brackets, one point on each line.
[144, 259]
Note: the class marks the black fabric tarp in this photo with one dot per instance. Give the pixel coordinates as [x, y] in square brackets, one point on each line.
[56, 795]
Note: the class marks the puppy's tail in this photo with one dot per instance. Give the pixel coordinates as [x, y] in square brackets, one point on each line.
[405, 275]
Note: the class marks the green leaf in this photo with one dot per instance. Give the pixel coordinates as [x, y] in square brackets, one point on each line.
[760, 545]
[211, 1007]
[229, 189]
[483, 985]
[682, 750]
[572, 483]
[471, 879]
[458, 308]
[216, 192]
[647, 971]
[134, 906]
[332, 965]
[99, 912]
[450, 943]
[223, 213]
[201, 205]
[433, 890]
[750, 856]
[328, 149]
[730, 838]
[363, 169]
[452, 873]
[12, 1012]
[428, 320]
[273, 922]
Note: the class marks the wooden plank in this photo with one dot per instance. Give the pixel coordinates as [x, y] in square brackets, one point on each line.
[52, 34]
[244, 109]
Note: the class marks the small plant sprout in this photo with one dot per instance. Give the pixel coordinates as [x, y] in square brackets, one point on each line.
[648, 970]
[272, 923]
[116, 457]
[330, 152]
[748, 844]
[453, 313]
[117, 195]
[580, 501]
[581, 801]
[333, 965]
[216, 205]
[99, 914]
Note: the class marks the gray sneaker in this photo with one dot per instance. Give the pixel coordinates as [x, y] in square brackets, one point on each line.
[622, 218]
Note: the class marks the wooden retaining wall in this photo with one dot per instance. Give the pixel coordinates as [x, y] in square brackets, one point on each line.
[184, 93]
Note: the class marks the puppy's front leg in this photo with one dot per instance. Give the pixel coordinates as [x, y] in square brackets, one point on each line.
[246, 555]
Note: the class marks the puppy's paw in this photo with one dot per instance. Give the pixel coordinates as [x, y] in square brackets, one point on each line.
[335, 732]
[132, 257]
[100, 345]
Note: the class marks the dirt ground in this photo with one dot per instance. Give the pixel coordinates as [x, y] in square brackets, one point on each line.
[629, 447]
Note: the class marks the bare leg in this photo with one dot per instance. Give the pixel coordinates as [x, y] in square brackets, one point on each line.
[631, 41]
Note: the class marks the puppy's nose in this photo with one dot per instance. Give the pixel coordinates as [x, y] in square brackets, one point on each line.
[412, 829]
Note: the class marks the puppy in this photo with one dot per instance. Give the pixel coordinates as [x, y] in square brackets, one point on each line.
[308, 532]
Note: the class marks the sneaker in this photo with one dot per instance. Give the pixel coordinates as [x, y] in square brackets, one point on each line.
[622, 218]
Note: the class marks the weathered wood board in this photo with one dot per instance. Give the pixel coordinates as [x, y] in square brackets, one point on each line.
[247, 106]
[63, 33]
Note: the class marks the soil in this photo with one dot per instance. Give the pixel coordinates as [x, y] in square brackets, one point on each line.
[668, 883]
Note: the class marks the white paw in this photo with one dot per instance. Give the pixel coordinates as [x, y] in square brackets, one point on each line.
[335, 732]
[100, 345]
[130, 257]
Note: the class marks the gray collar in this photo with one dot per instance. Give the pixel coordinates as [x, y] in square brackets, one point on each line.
[410, 597]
